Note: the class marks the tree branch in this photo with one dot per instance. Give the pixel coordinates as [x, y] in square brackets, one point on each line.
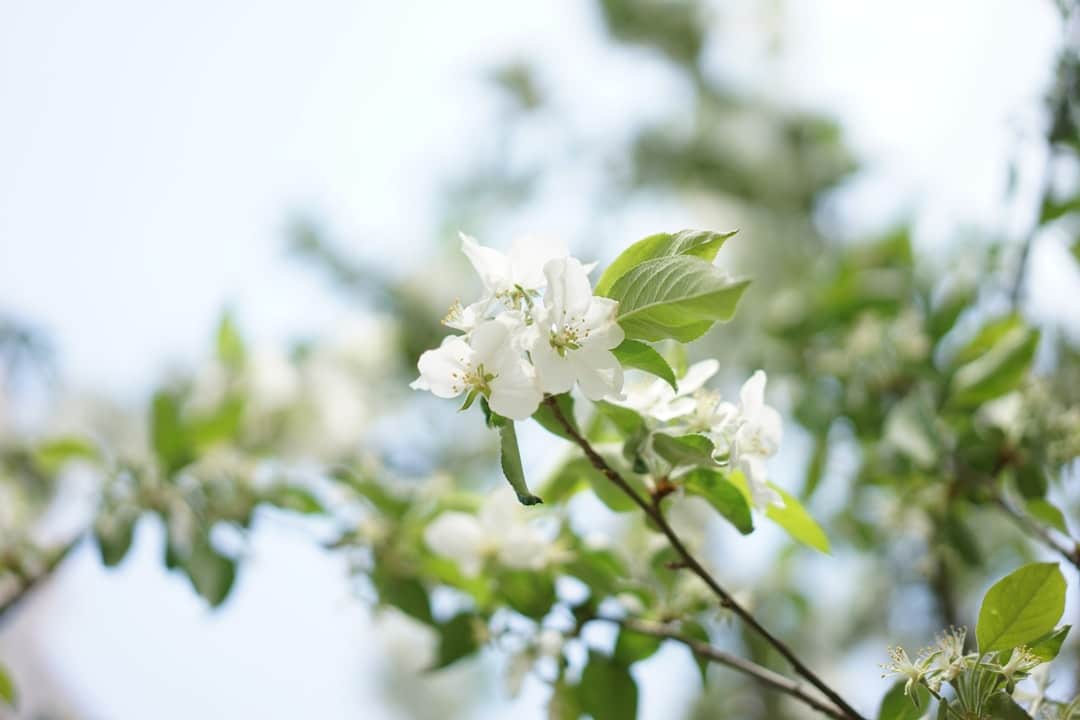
[654, 513]
[1037, 530]
[29, 581]
[775, 680]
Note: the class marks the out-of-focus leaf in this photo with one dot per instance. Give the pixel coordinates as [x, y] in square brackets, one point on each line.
[564, 703]
[601, 570]
[606, 491]
[815, 469]
[1021, 607]
[114, 532]
[405, 593]
[8, 693]
[626, 420]
[168, 433]
[697, 243]
[297, 499]
[1001, 706]
[230, 345]
[896, 705]
[531, 594]
[684, 450]
[948, 310]
[545, 416]
[221, 425]
[639, 356]
[1047, 513]
[793, 517]
[696, 631]
[511, 464]
[630, 647]
[725, 497]
[457, 639]
[997, 371]
[607, 690]
[961, 539]
[53, 454]
[677, 297]
[375, 492]
[211, 573]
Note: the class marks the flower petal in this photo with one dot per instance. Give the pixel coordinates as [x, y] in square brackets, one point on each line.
[598, 373]
[554, 373]
[697, 375]
[491, 265]
[442, 370]
[752, 394]
[460, 537]
[569, 293]
[529, 255]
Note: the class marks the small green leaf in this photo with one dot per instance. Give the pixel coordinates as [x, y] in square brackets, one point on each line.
[8, 693]
[1076, 250]
[816, 467]
[896, 705]
[565, 703]
[675, 297]
[685, 450]
[53, 454]
[405, 593]
[1047, 513]
[638, 355]
[114, 532]
[297, 499]
[1021, 607]
[1048, 646]
[1000, 358]
[457, 639]
[630, 647]
[211, 573]
[531, 594]
[625, 420]
[699, 243]
[1001, 706]
[793, 517]
[168, 434]
[607, 690]
[725, 497]
[511, 464]
[545, 416]
[230, 345]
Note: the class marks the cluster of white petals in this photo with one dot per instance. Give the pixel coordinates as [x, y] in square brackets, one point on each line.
[746, 435]
[536, 329]
[500, 531]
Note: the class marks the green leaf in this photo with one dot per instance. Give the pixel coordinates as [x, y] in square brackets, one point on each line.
[531, 594]
[511, 464]
[725, 497]
[230, 345]
[1000, 358]
[696, 631]
[457, 639]
[793, 517]
[1001, 706]
[211, 573]
[114, 532]
[405, 593]
[297, 499]
[1021, 607]
[685, 450]
[545, 416]
[698, 243]
[607, 690]
[53, 454]
[565, 703]
[625, 420]
[638, 355]
[1075, 249]
[630, 647]
[1048, 646]
[168, 434]
[1047, 513]
[896, 705]
[8, 693]
[678, 297]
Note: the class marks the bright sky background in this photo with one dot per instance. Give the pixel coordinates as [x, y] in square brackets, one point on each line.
[151, 153]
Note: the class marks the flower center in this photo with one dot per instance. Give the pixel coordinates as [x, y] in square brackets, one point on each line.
[568, 336]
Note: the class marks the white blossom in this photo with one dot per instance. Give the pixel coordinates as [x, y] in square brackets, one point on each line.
[656, 398]
[486, 362]
[500, 530]
[757, 434]
[573, 333]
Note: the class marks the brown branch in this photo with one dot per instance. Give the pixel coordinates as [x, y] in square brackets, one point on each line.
[654, 513]
[29, 581]
[764, 675]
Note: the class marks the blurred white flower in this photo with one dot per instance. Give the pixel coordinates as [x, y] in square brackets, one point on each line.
[573, 334]
[486, 362]
[656, 399]
[507, 278]
[756, 437]
[500, 530]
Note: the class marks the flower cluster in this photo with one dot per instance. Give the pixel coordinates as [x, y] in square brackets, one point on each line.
[536, 329]
[744, 435]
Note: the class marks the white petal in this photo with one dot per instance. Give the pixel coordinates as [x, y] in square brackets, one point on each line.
[490, 342]
[491, 265]
[598, 373]
[697, 375]
[442, 369]
[761, 494]
[604, 331]
[676, 408]
[569, 292]
[514, 392]
[752, 394]
[554, 374]
[528, 255]
[458, 536]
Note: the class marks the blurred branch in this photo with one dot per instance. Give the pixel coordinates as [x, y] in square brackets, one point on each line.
[702, 649]
[28, 579]
[1038, 531]
[654, 513]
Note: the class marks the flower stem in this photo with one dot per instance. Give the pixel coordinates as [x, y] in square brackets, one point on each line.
[655, 514]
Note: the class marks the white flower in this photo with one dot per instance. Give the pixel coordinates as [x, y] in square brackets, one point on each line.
[656, 399]
[756, 438]
[901, 664]
[499, 530]
[573, 334]
[487, 363]
[510, 279]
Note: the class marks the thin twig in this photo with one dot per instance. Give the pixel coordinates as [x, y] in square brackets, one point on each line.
[764, 675]
[30, 581]
[654, 513]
